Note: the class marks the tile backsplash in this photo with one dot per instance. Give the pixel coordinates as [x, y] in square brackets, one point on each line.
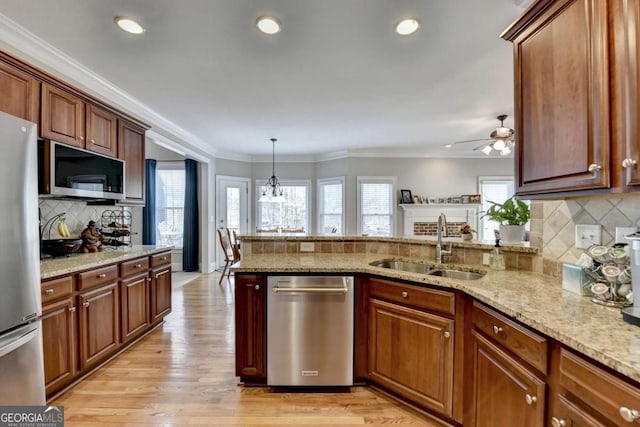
[553, 225]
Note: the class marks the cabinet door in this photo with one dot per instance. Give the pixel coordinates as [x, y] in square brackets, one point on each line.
[562, 99]
[101, 131]
[134, 293]
[505, 393]
[62, 116]
[411, 353]
[59, 343]
[99, 324]
[131, 150]
[160, 293]
[251, 327]
[566, 414]
[20, 93]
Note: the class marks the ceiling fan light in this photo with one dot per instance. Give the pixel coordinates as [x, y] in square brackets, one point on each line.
[499, 145]
[448, 145]
[503, 132]
[505, 151]
[486, 149]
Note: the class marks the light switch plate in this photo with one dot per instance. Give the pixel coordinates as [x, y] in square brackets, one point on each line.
[623, 231]
[587, 235]
[307, 246]
[486, 259]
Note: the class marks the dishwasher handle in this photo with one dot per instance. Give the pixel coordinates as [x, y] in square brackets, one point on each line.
[311, 290]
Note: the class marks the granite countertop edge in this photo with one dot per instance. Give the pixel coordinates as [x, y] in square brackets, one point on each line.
[60, 266]
[536, 300]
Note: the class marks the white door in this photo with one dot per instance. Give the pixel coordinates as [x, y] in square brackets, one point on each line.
[232, 197]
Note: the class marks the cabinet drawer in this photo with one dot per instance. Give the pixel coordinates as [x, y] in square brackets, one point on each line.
[416, 296]
[134, 266]
[526, 344]
[600, 390]
[96, 277]
[56, 288]
[161, 259]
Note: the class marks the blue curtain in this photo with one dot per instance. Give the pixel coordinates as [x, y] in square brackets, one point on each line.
[191, 238]
[149, 210]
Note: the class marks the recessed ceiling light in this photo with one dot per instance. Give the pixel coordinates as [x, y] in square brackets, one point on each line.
[268, 24]
[129, 25]
[448, 145]
[407, 26]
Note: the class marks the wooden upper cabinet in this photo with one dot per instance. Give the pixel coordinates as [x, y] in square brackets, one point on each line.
[101, 131]
[131, 150]
[62, 116]
[20, 93]
[562, 98]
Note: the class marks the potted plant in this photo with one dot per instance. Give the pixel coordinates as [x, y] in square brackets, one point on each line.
[466, 232]
[512, 215]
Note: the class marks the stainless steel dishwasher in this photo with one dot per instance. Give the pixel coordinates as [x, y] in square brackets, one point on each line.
[310, 331]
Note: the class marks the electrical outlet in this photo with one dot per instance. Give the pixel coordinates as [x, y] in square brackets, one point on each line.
[623, 231]
[486, 259]
[587, 235]
[307, 247]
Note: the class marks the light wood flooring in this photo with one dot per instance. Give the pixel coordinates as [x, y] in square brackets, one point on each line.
[182, 374]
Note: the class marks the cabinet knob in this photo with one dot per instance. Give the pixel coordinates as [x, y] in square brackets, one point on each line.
[164, 258]
[530, 399]
[72, 309]
[81, 138]
[594, 169]
[447, 334]
[49, 292]
[628, 162]
[405, 294]
[102, 276]
[629, 415]
[92, 141]
[86, 304]
[257, 287]
[555, 422]
[137, 266]
[497, 329]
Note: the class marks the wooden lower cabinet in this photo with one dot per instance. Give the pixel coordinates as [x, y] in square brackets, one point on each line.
[505, 392]
[251, 328]
[566, 414]
[160, 293]
[135, 299]
[411, 353]
[99, 323]
[59, 342]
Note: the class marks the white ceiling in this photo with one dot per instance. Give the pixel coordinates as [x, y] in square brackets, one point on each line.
[336, 78]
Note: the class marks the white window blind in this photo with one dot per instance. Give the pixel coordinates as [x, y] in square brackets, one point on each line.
[496, 189]
[292, 213]
[376, 206]
[331, 206]
[170, 185]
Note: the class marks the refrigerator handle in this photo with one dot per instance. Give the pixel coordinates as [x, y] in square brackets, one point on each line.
[19, 342]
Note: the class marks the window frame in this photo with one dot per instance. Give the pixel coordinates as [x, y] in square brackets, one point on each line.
[481, 180]
[173, 165]
[259, 183]
[392, 195]
[320, 205]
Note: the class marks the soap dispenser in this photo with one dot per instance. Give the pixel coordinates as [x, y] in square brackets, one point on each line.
[496, 261]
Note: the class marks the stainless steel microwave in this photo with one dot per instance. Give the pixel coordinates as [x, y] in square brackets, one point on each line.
[73, 172]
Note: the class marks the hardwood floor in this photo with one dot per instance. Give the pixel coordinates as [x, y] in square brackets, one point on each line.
[183, 374]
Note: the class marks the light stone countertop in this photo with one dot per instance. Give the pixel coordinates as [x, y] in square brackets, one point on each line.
[534, 299]
[53, 267]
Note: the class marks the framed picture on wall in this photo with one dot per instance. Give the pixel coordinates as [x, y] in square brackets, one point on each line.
[474, 198]
[405, 196]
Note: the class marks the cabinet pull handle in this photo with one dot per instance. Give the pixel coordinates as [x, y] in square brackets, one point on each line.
[49, 292]
[257, 287]
[162, 273]
[102, 276]
[405, 294]
[555, 422]
[594, 169]
[497, 329]
[137, 266]
[628, 162]
[447, 334]
[530, 399]
[86, 304]
[629, 415]
[72, 309]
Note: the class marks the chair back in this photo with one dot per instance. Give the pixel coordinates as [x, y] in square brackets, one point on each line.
[235, 246]
[224, 244]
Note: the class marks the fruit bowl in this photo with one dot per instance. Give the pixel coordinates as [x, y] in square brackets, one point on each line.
[61, 247]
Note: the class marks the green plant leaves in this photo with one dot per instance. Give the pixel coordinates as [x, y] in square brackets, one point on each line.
[511, 212]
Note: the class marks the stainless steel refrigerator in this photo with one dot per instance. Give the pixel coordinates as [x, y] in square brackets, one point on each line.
[21, 359]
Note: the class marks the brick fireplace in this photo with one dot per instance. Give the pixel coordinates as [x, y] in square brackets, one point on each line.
[422, 220]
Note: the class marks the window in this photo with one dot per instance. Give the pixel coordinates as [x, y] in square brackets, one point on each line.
[170, 183]
[376, 205]
[496, 189]
[292, 213]
[331, 205]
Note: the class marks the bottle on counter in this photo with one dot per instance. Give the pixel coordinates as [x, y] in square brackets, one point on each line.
[496, 260]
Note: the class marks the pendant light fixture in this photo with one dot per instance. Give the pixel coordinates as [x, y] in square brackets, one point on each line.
[272, 191]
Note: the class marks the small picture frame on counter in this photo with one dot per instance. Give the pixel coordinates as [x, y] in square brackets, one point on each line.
[456, 200]
[432, 200]
[417, 199]
[405, 196]
[465, 198]
[442, 200]
[475, 198]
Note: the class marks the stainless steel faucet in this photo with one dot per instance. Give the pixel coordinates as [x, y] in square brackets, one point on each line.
[442, 231]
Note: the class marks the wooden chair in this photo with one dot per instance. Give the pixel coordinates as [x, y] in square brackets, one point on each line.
[227, 252]
[235, 245]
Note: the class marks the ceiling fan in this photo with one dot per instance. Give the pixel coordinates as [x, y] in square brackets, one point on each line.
[501, 140]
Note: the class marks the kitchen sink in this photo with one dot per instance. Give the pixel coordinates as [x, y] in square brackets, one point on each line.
[416, 267]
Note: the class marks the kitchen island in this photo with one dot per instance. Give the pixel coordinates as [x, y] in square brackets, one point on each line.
[557, 338]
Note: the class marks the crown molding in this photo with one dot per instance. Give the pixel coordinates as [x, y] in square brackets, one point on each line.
[21, 43]
[168, 143]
